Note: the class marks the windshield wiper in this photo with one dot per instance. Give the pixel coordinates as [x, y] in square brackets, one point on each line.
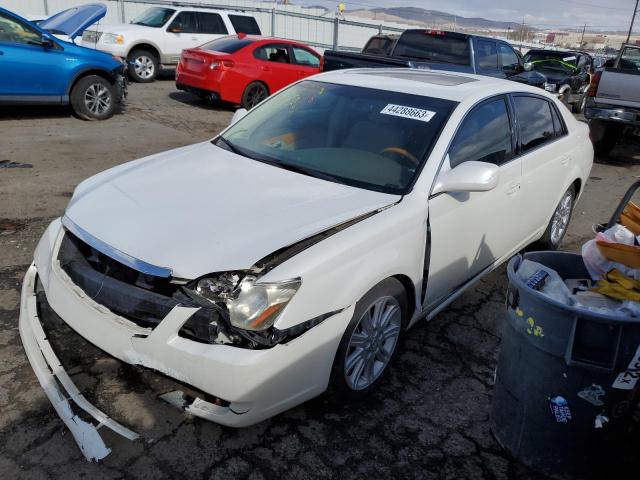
[227, 145]
[306, 171]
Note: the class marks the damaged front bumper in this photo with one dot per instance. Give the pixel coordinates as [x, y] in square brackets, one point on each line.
[248, 385]
[62, 392]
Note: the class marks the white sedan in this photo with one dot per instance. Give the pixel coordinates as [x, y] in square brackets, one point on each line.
[290, 254]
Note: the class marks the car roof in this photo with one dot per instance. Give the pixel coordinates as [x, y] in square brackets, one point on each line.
[260, 40]
[457, 87]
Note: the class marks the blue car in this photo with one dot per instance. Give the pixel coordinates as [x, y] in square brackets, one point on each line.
[39, 67]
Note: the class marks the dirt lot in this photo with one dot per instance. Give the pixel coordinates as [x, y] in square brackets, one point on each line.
[430, 420]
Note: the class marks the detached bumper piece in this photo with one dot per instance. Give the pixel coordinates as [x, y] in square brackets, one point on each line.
[65, 397]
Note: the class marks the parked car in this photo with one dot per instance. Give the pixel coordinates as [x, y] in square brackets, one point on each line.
[440, 50]
[613, 100]
[567, 73]
[244, 69]
[155, 38]
[42, 69]
[291, 253]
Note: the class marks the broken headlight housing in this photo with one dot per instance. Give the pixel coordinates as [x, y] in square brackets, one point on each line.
[250, 305]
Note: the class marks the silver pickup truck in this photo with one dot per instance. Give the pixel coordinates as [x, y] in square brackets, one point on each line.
[613, 100]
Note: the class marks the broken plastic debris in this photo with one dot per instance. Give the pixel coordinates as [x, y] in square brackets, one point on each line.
[601, 420]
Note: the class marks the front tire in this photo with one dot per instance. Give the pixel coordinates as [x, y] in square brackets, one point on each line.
[143, 66]
[559, 222]
[93, 98]
[371, 341]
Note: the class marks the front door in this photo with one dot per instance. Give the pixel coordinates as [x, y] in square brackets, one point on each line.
[29, 70]
[181, 33]
[471, 230]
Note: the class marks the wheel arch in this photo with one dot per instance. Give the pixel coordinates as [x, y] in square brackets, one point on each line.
[410, 288]
[146, 45]
[90, 71]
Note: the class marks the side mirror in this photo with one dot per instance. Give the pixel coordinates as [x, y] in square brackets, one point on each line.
[46, 42]
[528, 66]
[468, 177]
[241, 112]
[175, 27]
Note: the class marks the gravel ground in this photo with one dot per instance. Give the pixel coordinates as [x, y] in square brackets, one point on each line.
[429, 420]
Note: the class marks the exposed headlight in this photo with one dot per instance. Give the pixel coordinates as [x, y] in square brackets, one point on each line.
[112, 39]
[550, 87]
[251, 306]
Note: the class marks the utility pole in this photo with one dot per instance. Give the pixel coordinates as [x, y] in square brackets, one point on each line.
[522, 34]
[582, 37]
[633, 18]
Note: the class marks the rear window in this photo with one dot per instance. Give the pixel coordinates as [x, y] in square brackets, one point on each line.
[226, 44]
[431, 47]
[244, 24]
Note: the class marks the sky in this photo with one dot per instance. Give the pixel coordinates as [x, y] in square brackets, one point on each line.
[597, 14]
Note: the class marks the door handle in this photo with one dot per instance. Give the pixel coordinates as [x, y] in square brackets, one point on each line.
[513, 188]
[194, 38]
[564, 161]
[266, 69]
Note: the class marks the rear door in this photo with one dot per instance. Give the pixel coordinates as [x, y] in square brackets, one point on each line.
[307, 62]
[275, 66]
[544, 147]
[28, 71]
[471, 230]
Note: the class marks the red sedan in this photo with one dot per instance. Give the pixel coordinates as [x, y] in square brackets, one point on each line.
[244, 69]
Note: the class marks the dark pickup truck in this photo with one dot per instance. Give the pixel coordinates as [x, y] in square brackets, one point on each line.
[441, 50]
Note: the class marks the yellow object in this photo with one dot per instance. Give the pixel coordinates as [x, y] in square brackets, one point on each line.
[630, 218]
[628, 255]
[619, 286]
[341, 7]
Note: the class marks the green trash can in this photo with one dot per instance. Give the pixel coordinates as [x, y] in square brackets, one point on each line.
[567, 379]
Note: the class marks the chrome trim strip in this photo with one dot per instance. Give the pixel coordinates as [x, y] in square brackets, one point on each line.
[109, 251]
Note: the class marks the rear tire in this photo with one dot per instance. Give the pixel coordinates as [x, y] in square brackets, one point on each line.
[142, 65]
[605, 136]
[371, 341]
[93, 98]
[255, 93]
[559, 222]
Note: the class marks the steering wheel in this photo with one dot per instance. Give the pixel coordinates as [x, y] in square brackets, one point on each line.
[402, 152]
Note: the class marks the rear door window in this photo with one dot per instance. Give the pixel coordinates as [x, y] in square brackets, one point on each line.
[484, 135]
[486, 55]
[212, 24]
[273, 53]
[535, 122]
[244, 24]
[302, 56]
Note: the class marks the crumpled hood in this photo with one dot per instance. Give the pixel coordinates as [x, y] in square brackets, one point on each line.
[73, 21]
[553, 76]
[202, 209]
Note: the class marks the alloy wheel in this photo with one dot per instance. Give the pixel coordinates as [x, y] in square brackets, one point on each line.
[144, 67]
[372, 343]
[97, 99]
[255, 95]
[561, 218]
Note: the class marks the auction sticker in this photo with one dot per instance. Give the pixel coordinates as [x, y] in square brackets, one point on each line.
[560, 409]
[627, 380]
[408, 112]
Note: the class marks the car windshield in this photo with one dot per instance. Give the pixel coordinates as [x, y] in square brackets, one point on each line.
[154, 17]
[564, 61]
[363, 137]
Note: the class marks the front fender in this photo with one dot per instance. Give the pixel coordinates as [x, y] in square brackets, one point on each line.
[339, 270]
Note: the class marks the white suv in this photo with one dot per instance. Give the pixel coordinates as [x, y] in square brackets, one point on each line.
[156, 38]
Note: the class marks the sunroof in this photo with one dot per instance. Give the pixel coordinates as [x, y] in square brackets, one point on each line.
[421, 76]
